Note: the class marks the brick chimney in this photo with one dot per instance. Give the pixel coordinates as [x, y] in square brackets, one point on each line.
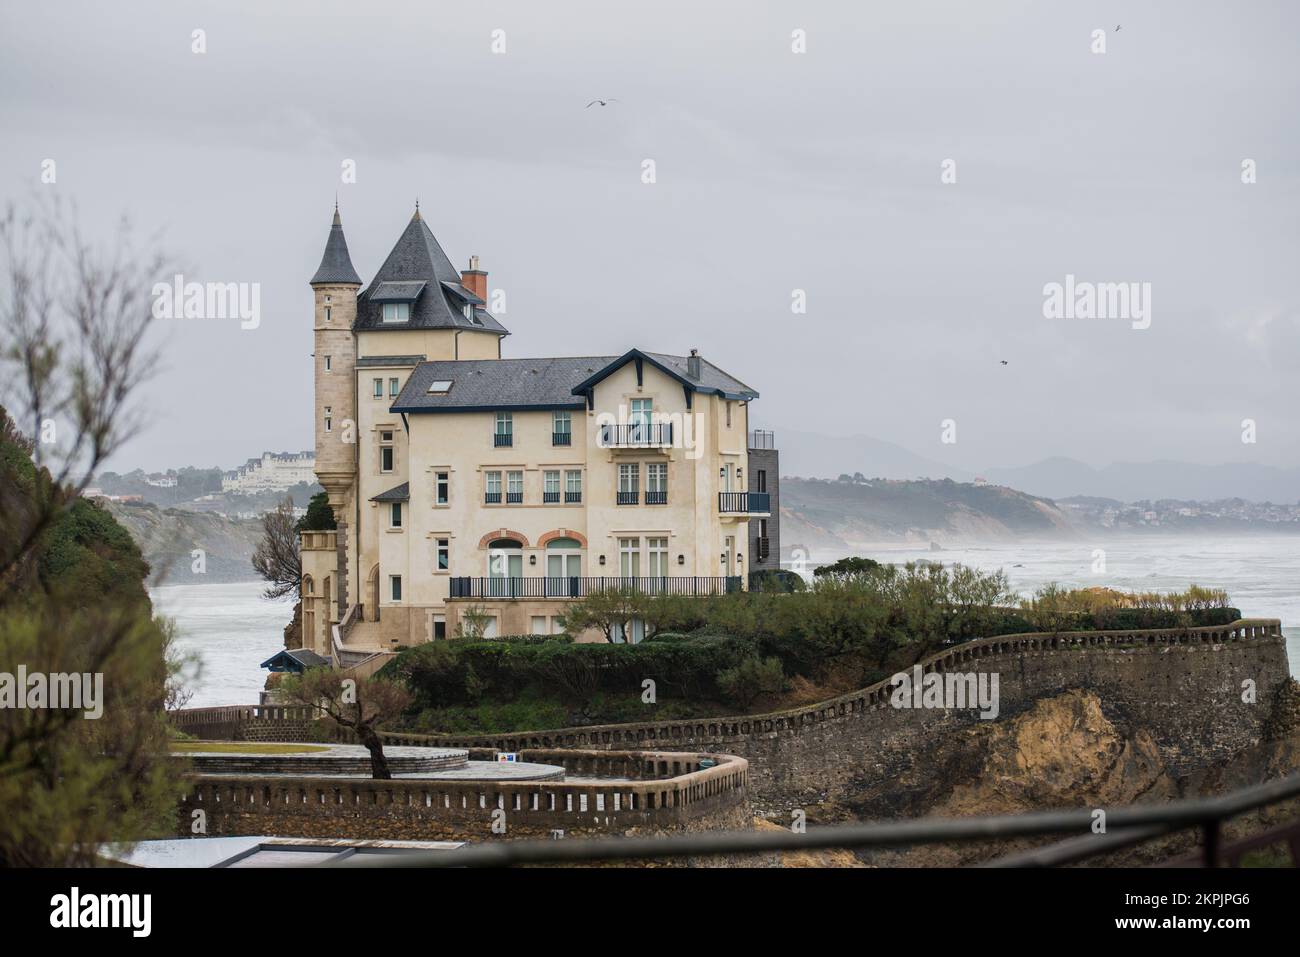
[475, 279]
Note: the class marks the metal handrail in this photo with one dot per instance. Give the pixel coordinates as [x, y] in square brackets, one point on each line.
[1126, 825]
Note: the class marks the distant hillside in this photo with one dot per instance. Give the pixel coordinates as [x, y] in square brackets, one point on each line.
[168, 537]
[842, 516]
[1134, 481]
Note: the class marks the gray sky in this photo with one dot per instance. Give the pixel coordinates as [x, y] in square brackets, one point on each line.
[776, 171]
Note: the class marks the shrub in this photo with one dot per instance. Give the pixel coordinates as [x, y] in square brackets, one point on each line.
[744, 683]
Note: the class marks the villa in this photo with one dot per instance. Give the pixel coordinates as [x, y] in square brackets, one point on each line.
[462, 479]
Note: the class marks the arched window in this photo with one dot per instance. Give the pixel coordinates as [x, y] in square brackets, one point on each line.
[505, 566]
[563, 566]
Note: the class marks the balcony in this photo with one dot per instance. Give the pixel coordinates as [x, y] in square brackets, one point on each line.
[627, 498]
[581, 587]
[572, 498]
[550, 498]
[744, 503]
[503, 440]
[762, 440]
[561, 438]
[638, 435]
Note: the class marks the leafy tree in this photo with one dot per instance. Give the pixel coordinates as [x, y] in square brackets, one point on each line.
[845, 567]
[319, 517]
[611, 610]
[72, 594]
[751, 679]
[360, 705]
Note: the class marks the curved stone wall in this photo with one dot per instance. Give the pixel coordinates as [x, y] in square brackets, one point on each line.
[1185, 685]
[698, 797]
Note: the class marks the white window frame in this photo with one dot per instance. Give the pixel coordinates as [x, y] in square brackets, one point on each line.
[397, 312]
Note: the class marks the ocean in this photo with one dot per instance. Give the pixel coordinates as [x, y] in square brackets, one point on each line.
[232, 629]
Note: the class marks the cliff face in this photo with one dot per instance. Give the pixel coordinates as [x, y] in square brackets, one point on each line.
[842, 516]
[168, 538]
[1066, 753]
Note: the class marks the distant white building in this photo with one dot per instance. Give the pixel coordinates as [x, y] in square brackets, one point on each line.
[273, 472]
[161, 480]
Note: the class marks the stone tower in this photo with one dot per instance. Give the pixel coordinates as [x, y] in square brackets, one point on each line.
[335, 288]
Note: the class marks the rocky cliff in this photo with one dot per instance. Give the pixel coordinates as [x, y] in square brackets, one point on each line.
[169, 538]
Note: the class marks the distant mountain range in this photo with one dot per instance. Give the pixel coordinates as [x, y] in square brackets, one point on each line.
[811, 455]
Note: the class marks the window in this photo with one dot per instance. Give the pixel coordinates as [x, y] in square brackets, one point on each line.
[760, 480]
[392, 387]
[656, 483]
[561, 428]
[539, 625]
[640, 419]
[385, 451]
[493, 495]
[329, 418]
[504, 433]
[441, 488]
[327, 313]
[629, 557]
[573, 486]
[378, 385]
[657, 553]
[328, 364]
[514, 487]
[397, 311]
[395, 587]
[439, 627]
[551, 486]
[439, 386]
[728, 415]
[444, 554]
[629, 480]
[468, 310]
[563, 564]
[395, 514]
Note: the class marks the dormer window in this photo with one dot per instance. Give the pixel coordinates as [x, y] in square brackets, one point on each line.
[469, 311]
[397, 312]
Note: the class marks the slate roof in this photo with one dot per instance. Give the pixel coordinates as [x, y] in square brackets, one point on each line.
[336, 264]
[538, 384]
[398, 493]
[417, 257]
[303, 656]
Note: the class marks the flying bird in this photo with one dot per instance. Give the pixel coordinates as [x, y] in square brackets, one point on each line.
[1117, 28]
[1004, 361]
[605, 102]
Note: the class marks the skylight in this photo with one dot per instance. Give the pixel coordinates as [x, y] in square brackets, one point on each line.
[439, 386]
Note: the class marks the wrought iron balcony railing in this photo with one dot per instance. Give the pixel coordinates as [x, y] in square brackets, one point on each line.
[575, 586]
[561, 438]
[636, 435]
[550, 497]
[627, 498]
[503, 440]
[746, 503]
[572, 498]
[492, 498]
[514, 498]
[656, 498]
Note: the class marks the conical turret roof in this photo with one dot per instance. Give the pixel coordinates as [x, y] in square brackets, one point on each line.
[336, 264]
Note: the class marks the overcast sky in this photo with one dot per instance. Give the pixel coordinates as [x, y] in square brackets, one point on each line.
[775, 170]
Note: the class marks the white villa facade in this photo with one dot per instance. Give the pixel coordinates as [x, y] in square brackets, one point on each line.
[464, 480]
